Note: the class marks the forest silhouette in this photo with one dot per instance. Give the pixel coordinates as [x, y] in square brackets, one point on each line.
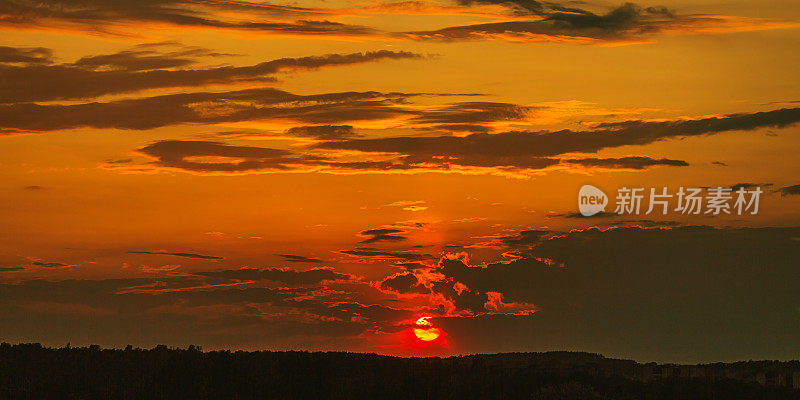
[31, 371]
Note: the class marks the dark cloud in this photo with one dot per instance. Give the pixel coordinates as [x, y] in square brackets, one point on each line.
[183, 155]
[515, 150]
[176, 310]
[686, 293]
[719, 163]
[472, 128]
[34, 187]
[635, 162]
[681, 293]
[203, 107]
[382, 235]
[25, 55]
[185, 255]
[526, 238]
[463, 298]
[119, 161]
[296, 258]
[647, 223]
[482, 160]
[790, 190]
[324, 132]
[286, 275]
[404, 283]
[49, 264]
[507, 152]
[521, 6]
[177, 154]
[522, 149]
[145, 58]
[601, 214]
[140, 69]
[470, 113]
[117, 16]
[410, 266]
[9, 269]
[647, 131]
[748, 186]
[559, 23]
[380, 254]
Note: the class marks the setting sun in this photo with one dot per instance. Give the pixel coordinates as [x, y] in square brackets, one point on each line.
[426, 332]
[427, 335]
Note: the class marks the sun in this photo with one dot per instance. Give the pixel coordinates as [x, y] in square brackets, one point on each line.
[425, 331]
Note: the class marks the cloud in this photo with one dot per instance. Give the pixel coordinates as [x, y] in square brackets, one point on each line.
[296, 258]
[628, 23]
[601, 214]
[664, 293]
[323, 132]
[472, 116]
[526, 238]
[404, 283]
[117, 17]
[685, 293]
[636, 162]
[513, 153]
[49, 264]
[647, 131]
[409, 205]
[143, 58]
[9, 269]
[25, 55]
[790, 190]
[145, 68]
[382, 235]
[185, 255]
[380, 254]
[525, 21]
[178, 154]
[206, 157]
[203, 107]
[405, 203]
[748, 186]
[175, 309]
[286, 275]
[647, 223]
[533, 150]
[531, 7]
[410, 266]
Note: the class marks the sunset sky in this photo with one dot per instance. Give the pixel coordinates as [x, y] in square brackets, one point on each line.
[398, 177]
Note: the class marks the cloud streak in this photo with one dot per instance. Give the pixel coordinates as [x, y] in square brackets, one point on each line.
[116, 17]
[203, 107]
[628, 23]
[382, 235]
[513, 153]
[143, 69]
[297, 258]
[178, 254]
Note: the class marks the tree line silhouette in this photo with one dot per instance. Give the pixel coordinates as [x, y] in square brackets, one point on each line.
[31, 371]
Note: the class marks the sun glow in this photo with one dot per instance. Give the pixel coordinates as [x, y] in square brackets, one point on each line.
[426, 332]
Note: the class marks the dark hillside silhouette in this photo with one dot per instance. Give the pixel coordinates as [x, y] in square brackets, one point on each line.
[30, 371]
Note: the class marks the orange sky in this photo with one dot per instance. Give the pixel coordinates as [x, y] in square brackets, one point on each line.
[321, 175]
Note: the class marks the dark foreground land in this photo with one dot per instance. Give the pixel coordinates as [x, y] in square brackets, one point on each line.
[30, 371]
